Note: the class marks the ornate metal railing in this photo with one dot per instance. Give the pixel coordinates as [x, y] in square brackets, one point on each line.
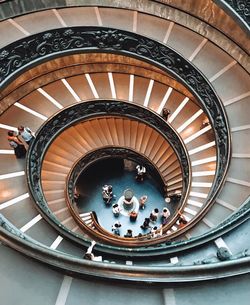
[12, 237]
[239, 10]
[168, 247]
[84, 111]
[19, 241]
[111, 152]
[98, 232]
[21, 55]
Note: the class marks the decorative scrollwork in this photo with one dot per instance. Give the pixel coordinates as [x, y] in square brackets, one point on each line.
[84, 111]
[242, 7]
[31, 50]
[43, 46]
[8, 226]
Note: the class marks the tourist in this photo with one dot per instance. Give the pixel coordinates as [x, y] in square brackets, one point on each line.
[16, 144]
[153, 231]
[90, 256]
[142, 201]
[156, 232]
[76, 194]
[165, 113]
[116, 228]
[25, 135]
[154, 215]
[145, 224]
[181, 220]
[165, 215]
[140, 236]
[116, 209]
[107, 193]
[141, 171]
[129, 233]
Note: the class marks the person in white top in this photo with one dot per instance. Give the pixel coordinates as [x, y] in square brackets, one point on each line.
[141, 171]
[155, 232]
[25, 135]
[142, 201]
[107, 193]
[116, 209]
[90, 256]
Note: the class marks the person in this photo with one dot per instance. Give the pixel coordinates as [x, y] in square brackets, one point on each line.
[140, 236]
[159, 232]
[90, 256]
[16, 144]
[165, 113]
[107, 193]
[116, 209]
[145, 224]
[181, 221]
[154, 215]
[153, 231]
[141, 171]
[133, 215]
[156, 232]
[142, 201]
[25, 135]
[176, 196]
[116, 228]
[76, 194]
[165, 215]
[129, 233]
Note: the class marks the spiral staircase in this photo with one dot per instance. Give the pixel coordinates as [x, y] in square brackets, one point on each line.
[72, 71]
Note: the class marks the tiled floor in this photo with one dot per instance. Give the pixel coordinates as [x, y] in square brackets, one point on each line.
[111, 172]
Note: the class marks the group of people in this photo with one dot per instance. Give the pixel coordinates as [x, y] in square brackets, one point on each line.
[116, 230]
[20, 140]
[150, 221]
[147, 224]
[165, 214]
[154, 232]
[108, 196]
[133, 214]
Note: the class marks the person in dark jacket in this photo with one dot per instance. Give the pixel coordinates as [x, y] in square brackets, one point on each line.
[16, 144]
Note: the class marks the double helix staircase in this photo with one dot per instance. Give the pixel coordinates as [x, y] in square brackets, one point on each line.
[41, 92]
